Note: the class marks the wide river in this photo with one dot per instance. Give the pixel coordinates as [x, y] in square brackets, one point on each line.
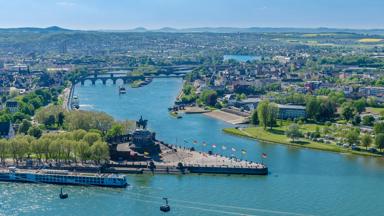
[301, 182]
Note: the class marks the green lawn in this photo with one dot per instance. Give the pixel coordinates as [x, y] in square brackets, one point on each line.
[375, 110]
[277, 135]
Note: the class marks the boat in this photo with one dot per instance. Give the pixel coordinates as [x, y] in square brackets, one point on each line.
[65, 177]
[75, 104]
[166, 207]
[122, 90]
[63, 195]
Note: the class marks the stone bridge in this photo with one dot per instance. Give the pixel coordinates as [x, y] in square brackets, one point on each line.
[125, 78]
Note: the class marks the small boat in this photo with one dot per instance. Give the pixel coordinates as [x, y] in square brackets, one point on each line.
[122, 90]
[63, 195]
[166, 207]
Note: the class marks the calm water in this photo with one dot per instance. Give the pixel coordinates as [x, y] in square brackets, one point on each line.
[302, 182]
[241, 58]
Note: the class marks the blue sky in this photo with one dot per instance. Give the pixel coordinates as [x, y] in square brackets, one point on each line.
[126, 14]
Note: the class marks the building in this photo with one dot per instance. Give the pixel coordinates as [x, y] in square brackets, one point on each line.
[291, 111]
[4, 90]
[248, 104]
[12, 106]
[372, 91]
[6, 130]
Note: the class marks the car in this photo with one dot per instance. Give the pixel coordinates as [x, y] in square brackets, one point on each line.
[372, 150]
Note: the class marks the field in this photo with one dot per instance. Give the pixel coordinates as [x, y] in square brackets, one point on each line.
[375, 110]
[370, 40]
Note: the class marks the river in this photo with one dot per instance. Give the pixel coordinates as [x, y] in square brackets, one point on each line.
[301, 182]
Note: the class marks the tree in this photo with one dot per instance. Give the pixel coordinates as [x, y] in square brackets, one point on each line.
[379, 140]
[60, 118]
[4, 147]
[91, 137]
[293, 132]
[35, 131]
[267, 113]
[82, 151]
[87, 120]
[347, 111]
[262, 112]
[368, 120]
[50, 121]
[38, 148]
[24, 126]
[352, 137]
[356, 120]
[378, 127]
[360, 105]
[209, 97]
[312, 108]
[100, 151]
[273, 112]
[366, 140]
[116, 130]
[254, 117]
[78, 134]
[327, 110]
[18, 147]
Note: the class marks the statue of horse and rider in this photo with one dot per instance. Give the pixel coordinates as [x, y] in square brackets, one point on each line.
[141, 123]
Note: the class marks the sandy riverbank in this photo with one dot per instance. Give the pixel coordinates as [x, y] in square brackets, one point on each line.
[227, 117]
[194, 110]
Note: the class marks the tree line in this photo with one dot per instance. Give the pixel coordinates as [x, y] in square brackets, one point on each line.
[68, 147]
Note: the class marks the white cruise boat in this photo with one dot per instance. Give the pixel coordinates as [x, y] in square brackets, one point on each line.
[62, 177]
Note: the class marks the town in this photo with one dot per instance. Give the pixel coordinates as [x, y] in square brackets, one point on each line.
[323, 91]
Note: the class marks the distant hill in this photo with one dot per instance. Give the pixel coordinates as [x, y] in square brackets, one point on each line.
[271, 30]
[210, 30]
[36, 30]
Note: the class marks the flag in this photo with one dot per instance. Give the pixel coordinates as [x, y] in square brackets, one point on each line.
[243, 151]
[213, 146]
[233, 149]
[264, 155]
[224, 147]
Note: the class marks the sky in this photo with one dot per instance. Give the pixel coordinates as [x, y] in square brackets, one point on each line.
[154, 14]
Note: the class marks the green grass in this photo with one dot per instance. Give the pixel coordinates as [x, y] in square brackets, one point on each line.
[375, 110]
[277, 135]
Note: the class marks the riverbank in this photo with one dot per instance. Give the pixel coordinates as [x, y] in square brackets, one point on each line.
[227, 117]
[194, 110]
[277, 136]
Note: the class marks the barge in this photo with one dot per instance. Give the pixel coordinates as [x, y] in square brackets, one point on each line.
[63, 177]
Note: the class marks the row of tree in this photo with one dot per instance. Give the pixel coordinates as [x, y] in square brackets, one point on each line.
[67, 147]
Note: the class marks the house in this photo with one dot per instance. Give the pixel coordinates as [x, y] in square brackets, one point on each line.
[291, 111]
[372, 91]
[4, 90]
[12, 106]
[6, 130]
[248, 104]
